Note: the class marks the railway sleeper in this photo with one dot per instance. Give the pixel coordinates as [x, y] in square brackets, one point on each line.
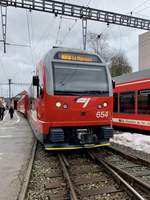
[95, 192]
[131, 178]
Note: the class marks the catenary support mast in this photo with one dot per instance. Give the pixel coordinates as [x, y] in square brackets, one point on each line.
[82, 12]
[4, 24]
[84, 32]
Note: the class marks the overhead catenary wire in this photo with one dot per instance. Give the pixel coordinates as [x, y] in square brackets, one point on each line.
[69, 29]
[131, 12]
[89, 2]
[140, 10]
[141, 4]
[44, 34]
[18, 75]
[58, 32]
[59, 28]
[2, 67]
[137, 11]
[141, 15]
[68, 32]
[120, 47]
[29, 36]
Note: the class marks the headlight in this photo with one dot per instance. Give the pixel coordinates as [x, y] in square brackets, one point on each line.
[99, 106]
[102, 105]
[58, 104]
[65, 106]
[105, 104]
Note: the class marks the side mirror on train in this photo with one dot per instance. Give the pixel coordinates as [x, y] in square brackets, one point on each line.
[35, 81]
[113, 84]
[41, 92]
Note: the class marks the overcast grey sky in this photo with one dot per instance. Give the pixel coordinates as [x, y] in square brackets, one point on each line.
[40, 32]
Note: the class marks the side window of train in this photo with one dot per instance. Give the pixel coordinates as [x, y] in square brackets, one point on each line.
[127, 102]
[34, 92]
[41, 76]
[144, 101]
[41, 84]
[31, 97]
[41, 81]
[115, 99]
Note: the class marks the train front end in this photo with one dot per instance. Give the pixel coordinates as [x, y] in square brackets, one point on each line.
[75, 110]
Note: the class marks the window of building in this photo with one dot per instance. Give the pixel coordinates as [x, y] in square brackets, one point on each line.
[127, 102]
[144, 101]
[115, 98]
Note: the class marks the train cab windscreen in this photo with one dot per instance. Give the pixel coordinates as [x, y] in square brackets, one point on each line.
[76, 79]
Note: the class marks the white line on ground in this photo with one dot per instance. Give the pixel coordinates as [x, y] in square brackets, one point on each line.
[7, 127]
[6, 136]
[5, 115]
[18, 118]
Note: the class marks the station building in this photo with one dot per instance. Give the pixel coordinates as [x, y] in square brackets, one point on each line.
[144, 51]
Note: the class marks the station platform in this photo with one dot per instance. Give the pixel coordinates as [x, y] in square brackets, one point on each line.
[16, 142]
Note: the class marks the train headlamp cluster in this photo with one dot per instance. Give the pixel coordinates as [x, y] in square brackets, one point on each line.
[65, 105]
[102, 105]
[58, 105]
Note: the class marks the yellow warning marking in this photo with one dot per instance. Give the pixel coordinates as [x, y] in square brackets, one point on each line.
[80, 147]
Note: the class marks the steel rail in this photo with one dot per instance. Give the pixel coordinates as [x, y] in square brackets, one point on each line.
[130, 156]
[24, 187]
[109, 168]
[135, 181]
[67, 177]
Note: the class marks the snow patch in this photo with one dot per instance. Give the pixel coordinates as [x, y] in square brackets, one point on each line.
[133, 140]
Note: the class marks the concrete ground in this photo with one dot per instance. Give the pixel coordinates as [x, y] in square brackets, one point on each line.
[16, 141]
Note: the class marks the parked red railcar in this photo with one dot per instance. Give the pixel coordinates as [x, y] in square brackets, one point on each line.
[132, 101]
[70, 103]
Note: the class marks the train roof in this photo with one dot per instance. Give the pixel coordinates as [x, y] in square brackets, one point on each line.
[66, 49]
[54, 50]
[144, 74]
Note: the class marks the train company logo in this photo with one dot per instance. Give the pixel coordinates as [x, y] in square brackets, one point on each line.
[85, 101]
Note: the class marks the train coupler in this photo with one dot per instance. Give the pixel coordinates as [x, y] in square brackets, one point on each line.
[86, 137]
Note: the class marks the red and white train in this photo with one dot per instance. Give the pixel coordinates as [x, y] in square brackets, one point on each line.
[132, 101]
[22, 104]
[70, 102]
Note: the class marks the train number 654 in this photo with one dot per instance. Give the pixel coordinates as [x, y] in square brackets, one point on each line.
[102, 114]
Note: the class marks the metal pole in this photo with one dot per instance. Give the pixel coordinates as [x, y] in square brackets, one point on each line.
[4, 24]
[97, 39]
[84, 32]
[9, 83]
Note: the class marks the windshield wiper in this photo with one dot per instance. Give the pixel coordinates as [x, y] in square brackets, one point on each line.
[94, 92]
[84, 92]
[72, 93]
[97, 91]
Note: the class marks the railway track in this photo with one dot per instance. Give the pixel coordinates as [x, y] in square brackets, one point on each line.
[89, 180]
[72, 176]
[135, 170]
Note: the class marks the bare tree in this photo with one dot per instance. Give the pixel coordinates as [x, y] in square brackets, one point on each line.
[99, 43]
[118, 62]
[120, 65]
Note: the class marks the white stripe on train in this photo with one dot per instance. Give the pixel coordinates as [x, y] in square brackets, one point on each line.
[131, 121]
[123, 84]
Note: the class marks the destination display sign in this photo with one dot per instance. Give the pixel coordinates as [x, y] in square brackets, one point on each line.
[77, 57]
